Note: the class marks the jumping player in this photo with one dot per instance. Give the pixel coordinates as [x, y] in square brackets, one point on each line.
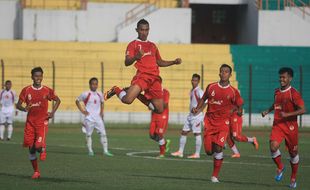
[288, 104]
[147, 59]
[222, 98]
[8, 100]
[93, 112]
[193, 122]
[36, 97]
[236, 135]
[159, 125]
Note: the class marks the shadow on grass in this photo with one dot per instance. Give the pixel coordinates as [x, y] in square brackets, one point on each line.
[208, 181]
[46, 179]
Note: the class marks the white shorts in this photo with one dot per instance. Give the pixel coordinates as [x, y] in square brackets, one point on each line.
[89, 126]
[6, 118]
[193, 123]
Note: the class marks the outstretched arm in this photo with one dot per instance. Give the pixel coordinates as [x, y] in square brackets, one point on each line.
[163, 63]
[264, 113]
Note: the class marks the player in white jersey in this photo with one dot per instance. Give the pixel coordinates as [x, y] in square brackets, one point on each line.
[93, 112]
[193, 122]
[8, 101]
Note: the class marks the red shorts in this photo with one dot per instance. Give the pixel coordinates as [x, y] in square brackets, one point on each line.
[236, 126]
[150, 84]
[215, 133]
[35, 135]
[287, 131]
[159, 127]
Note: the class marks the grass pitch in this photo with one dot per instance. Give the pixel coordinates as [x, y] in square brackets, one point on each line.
[134, 165]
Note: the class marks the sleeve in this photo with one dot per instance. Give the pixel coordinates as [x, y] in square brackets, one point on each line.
[238, 99]
[200, 93]
[15, 97]
[166, 97]
[130, 51]
[297, 99]
[101, 97]
[22, 95]
[82, 97]
[157, 54]
[51, 94]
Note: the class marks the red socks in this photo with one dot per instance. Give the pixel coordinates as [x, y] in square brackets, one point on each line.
[294, 171]
[217, 164]
[278, 162]
[34, 164]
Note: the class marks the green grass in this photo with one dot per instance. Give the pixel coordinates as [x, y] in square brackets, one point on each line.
[69, 167]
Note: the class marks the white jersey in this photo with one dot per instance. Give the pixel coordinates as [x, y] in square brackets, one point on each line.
[7, 100]
[92, 101]
[195, 95]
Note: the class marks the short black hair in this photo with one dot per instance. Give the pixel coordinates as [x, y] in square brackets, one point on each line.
[225, 65]
[36, 69]
[142, 21]
[8, 81]
[287, 70]
[195, 75]
[92, 79]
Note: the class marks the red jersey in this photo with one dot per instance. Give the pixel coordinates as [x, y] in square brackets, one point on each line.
[221, 101]
[286, 101]
[148, 62]
[38, 100]
[165, 114]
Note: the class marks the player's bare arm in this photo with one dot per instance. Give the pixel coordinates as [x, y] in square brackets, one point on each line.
[163, 63]
[300, 110]
[20, 107]
[52, 113]
[264, 113]
[79, 106]
[130, 60]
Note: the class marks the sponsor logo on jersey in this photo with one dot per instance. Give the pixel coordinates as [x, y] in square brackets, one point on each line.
[217, 102]
[277, 107]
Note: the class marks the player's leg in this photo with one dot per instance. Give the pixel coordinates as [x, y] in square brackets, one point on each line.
[196, 125]
[29, 139]
[186, 129]
[163, 143]
[103, 137]
[291, 141]
[218, 156]
[232, 145]
[10, 126]
[89, 126]
[276, 138]
[40, 139]
[2, 126]
[236, 127]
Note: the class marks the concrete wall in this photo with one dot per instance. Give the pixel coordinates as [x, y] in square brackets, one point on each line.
[283, 28]
[10, 19]
[166, 26]
[98, 23]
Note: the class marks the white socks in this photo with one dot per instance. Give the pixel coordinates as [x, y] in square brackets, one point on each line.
[250, 139]
[275, 154]
[2, 132]
[198, 144]
[104, 142]
[151, 106]
[218, 156]
[89, 143]
[182, 143]
[161, 142]
[122, 94]
[10, 131]
[295, 160]
[235, 149]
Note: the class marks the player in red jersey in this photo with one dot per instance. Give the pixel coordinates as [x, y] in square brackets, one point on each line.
[36, 97]
[159, 125]
[147, 59]
[236, 135]
[222, 99]
[288, 104]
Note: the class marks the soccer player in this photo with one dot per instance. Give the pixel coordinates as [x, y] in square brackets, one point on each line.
[288, 104]
[36, 97]
[222, 98]
[193, 122]
[93, 112]
[236, 135]
[8, 100]
[147, 59]
[159, 125]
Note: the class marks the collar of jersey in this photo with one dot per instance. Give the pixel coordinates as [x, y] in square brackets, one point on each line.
[36, 88]
[223, 86]
[286, 89]
[141, 40]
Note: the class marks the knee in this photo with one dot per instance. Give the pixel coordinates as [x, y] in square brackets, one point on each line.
[273, 147]
[209, 153]
[184, 133]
